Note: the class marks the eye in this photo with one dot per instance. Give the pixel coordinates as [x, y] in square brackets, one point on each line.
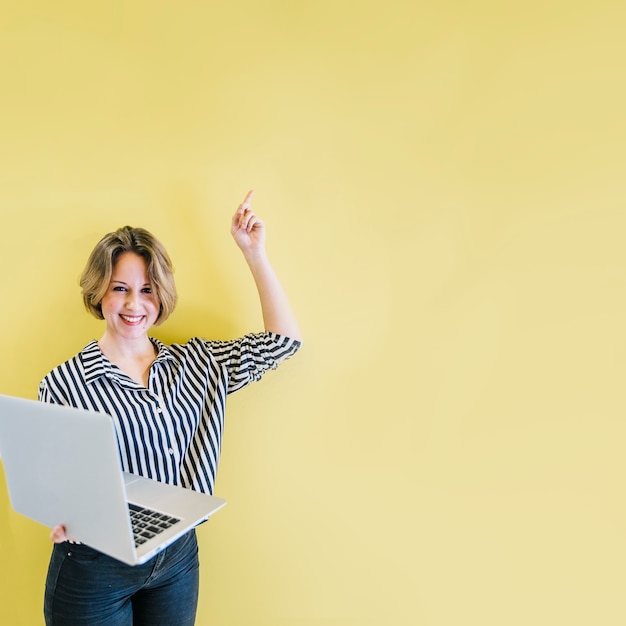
[146, 290]
[119, 288]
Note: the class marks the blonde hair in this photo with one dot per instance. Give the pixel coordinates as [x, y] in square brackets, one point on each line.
[96, 276]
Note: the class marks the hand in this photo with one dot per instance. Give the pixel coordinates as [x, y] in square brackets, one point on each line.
[57, 535]
[247, 229]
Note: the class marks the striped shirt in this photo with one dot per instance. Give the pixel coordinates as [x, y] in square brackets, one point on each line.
[170, 431]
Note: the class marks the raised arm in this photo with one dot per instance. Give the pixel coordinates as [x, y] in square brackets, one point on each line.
[248, 231]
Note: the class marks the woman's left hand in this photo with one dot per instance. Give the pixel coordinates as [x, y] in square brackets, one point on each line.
[247, 228]
[249, 233]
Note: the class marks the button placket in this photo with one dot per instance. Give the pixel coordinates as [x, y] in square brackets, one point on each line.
[161, 411]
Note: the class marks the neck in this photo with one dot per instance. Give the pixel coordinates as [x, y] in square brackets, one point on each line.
[114, 348]
[132, 357]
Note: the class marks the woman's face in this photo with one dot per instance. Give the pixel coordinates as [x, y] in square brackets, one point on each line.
[129, 305]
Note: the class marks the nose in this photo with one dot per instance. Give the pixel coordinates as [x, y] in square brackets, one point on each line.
[132, 300]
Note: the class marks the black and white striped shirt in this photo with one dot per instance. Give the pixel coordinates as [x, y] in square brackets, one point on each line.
[172, 430]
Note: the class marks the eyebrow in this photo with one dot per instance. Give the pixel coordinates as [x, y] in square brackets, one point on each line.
[121, 282]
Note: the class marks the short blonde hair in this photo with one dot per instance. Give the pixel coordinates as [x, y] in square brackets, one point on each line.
[96, 276]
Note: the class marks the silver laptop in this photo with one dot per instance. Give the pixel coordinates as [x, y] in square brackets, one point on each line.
[62, 466]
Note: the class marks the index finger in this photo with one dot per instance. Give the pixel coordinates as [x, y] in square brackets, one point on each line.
[248, 197]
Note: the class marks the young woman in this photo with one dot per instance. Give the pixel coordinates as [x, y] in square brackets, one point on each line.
[167, 403]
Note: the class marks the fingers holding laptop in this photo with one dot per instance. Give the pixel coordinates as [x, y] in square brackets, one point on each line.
[58, 535]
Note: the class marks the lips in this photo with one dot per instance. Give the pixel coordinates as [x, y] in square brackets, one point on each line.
[132, 319]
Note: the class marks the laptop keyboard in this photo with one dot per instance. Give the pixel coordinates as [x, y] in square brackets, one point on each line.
[147, 523]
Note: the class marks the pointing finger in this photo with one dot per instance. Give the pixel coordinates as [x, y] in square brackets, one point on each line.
[246, 202]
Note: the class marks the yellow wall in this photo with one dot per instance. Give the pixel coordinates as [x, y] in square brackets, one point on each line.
[443, 184]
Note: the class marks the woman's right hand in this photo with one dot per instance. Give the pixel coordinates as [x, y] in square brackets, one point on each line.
[57, 534]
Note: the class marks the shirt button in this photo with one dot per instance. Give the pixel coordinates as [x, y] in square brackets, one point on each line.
[171, 451]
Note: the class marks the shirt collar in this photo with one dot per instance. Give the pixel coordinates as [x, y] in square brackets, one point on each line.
[96, 365]
[163, 352]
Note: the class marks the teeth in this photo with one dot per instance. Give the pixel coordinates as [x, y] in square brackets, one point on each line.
[132, 320]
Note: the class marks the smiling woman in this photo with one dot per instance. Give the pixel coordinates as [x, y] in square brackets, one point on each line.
[167, 403]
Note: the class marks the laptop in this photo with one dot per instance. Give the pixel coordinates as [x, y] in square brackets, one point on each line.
[62, 466]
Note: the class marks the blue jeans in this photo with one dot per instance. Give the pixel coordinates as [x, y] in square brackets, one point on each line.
[89, 588]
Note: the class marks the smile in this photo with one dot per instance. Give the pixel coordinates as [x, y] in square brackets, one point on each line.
[132, 319]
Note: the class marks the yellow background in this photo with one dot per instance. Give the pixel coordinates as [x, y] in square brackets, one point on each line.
[444, 189]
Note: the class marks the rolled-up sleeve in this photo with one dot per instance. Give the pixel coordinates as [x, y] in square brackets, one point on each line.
[247, 359]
